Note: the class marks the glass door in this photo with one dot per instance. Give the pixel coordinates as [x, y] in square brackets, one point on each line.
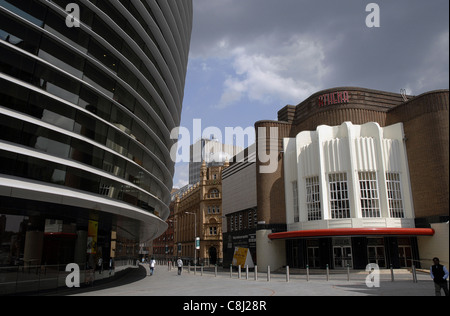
[405, 256]
[313, 257]
[294, 259]
[342, 257]
[376, 255]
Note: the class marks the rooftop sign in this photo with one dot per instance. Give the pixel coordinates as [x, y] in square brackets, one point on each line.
[333, 98]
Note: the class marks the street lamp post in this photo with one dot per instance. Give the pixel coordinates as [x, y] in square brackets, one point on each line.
[195, 236]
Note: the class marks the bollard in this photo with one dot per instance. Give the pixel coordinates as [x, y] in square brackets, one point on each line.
[414, 273]
[287, 273]
[307, 273]
[256, 273]
[189, 267]
[348, 272]
[392, 273]
[215, 270]
[239, 271]
[201, 270]
[246, 272]
[268, 273]
[231, 271]
[328, 273]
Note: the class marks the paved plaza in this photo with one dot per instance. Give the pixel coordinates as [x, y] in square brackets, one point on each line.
[166, 282]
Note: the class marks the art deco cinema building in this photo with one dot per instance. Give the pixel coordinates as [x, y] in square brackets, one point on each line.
[362, 178]
[85, 120]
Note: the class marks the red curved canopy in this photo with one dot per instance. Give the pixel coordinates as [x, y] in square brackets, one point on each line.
[354, 232]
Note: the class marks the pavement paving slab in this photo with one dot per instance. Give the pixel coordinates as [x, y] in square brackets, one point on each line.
[165, 282]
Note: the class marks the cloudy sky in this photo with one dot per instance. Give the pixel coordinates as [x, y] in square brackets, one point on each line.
[249, 58]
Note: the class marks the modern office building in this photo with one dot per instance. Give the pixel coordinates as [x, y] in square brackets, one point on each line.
[86, 110]
[211, 151]
[361, 176]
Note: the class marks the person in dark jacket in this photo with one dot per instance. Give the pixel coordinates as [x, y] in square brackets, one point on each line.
[439, 274]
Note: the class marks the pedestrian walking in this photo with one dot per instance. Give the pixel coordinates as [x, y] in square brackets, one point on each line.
[439, 274]
[100, 265]
[111, 263]
[180, 265]
[152, 266]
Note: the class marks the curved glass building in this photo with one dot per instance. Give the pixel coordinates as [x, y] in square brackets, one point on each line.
[88, 98]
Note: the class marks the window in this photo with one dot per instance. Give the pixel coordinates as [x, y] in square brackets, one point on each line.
[394, 195]
[295, 202]
[234, 222]
[370, 201]
[213, 230]
[339, 201]
[214, 193]
[313, 199]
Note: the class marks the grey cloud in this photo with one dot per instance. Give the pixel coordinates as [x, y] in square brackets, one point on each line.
[394, 56]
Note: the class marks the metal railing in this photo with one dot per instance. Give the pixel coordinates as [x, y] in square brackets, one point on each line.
[288, 274]
[35, 279]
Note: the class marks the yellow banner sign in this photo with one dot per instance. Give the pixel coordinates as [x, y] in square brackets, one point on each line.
[242, 257]
[92, 237]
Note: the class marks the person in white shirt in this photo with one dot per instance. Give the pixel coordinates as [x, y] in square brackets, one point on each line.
[152, 266]
[180, 265]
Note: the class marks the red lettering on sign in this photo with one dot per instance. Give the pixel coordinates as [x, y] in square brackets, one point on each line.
[345, 98]
[333, 98]
[320, 101]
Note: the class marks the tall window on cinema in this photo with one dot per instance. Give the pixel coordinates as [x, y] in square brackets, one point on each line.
[339, 199]
[313, 199]
[394, 192]
[370, 201]
[295, 201]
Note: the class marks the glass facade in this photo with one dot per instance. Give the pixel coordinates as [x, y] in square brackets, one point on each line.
[85, 120]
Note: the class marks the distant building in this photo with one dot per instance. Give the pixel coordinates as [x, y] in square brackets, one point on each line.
[210, 151]
[164, 247]
[198, 213]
